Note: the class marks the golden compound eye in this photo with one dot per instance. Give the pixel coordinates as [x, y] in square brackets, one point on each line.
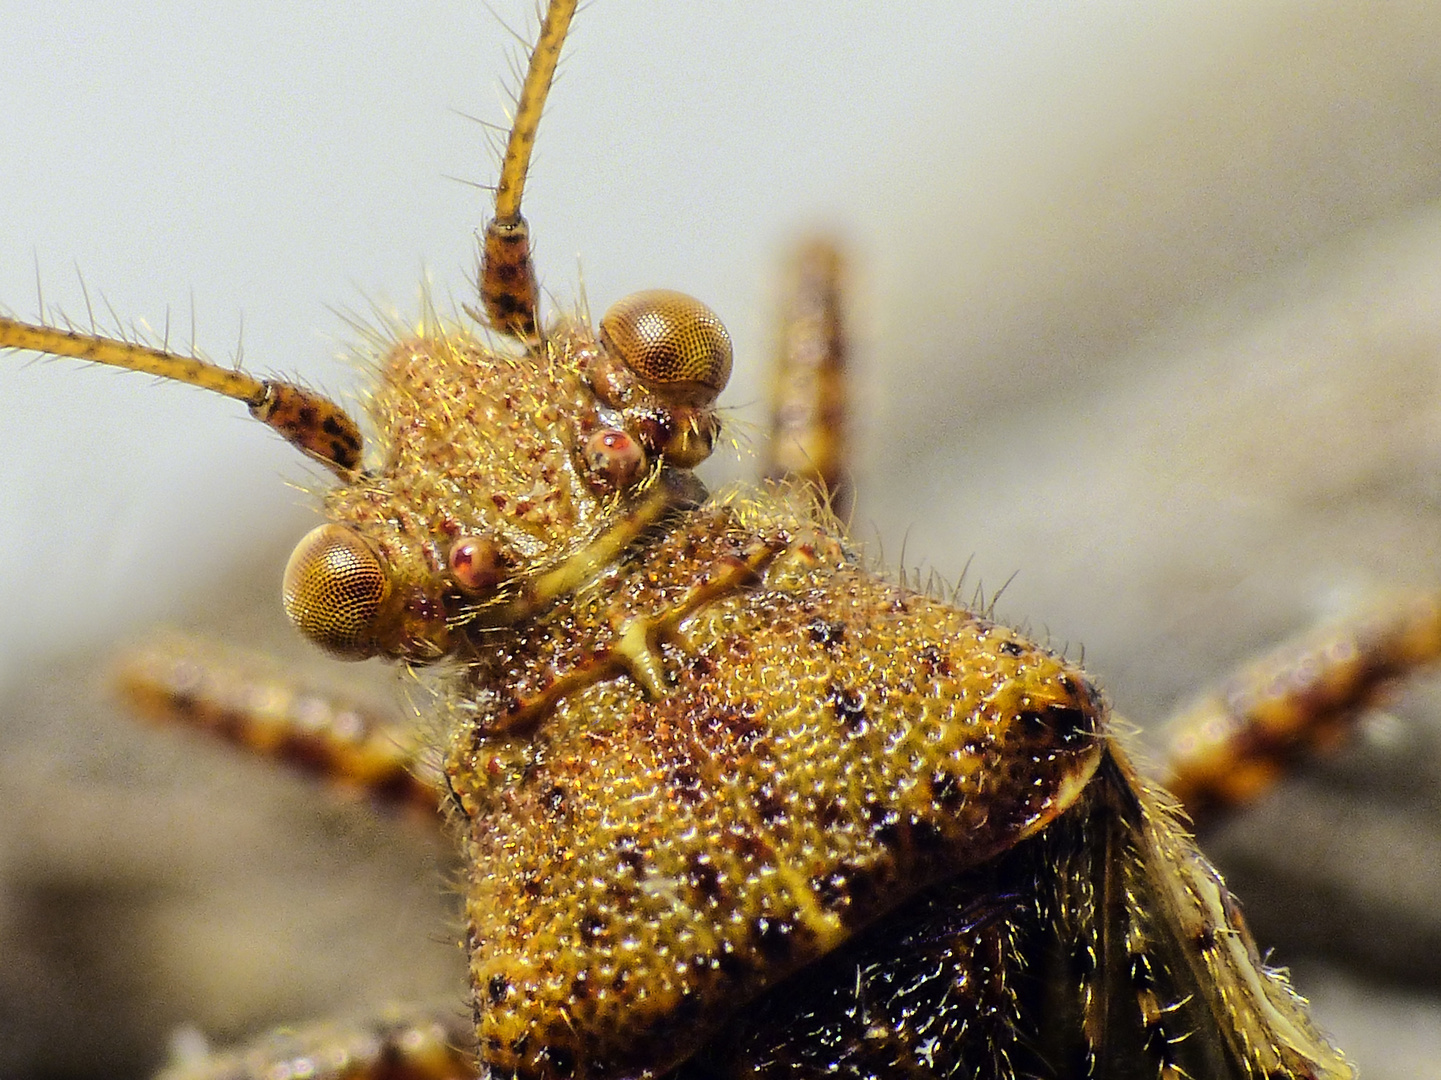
[476, 563]
[334, 586]
[614, 458]
[672, 341]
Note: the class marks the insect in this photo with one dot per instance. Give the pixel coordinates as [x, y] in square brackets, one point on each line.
[1038, 609]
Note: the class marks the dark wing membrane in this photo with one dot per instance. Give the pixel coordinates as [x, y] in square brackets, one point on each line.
[1106, 948]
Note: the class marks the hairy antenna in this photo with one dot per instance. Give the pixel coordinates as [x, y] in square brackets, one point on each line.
[508, 287]
[310, 421]
[315, 424]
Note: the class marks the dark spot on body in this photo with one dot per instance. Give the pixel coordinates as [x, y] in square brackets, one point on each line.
[826, 632]
[687, 783]
[862, 888]
[773, 938]
[425, 607]
[1011, 648]
[562, 1060]
[393, 788]
[555, 799]
[737, 723]
[497, 988]
[884, 825]
[946, 791]
[769, 808]
[749, 846]
[935, 662]
[1205, 937]
[1069, 726]
[833, 891]
[655, 429]
[507, 304]
[849, 706]
[704, 877]
[1156, 1044]
[1074, 726]
[628, 855]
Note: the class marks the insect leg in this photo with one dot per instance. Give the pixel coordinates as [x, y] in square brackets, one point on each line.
[427, 1042]
[808, 397]
[243, 699]
[1232, 745]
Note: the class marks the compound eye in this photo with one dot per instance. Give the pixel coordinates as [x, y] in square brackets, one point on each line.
[673, 342]
[334, 586]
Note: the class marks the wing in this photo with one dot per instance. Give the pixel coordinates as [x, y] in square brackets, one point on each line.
[1169, 976]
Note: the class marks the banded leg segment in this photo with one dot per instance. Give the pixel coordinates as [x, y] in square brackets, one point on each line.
[430, 1042]
[241, 698]
[809, 398]
[1231, 746]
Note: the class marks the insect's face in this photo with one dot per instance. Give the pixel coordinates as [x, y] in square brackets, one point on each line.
[314, 174]
[501, 479]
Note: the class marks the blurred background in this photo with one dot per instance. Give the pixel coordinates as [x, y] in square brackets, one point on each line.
[1146, 324]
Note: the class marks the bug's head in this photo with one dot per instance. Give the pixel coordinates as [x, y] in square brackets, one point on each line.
[509, 481]
[505, 481]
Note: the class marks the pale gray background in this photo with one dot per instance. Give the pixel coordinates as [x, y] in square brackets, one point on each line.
[1146, 312]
